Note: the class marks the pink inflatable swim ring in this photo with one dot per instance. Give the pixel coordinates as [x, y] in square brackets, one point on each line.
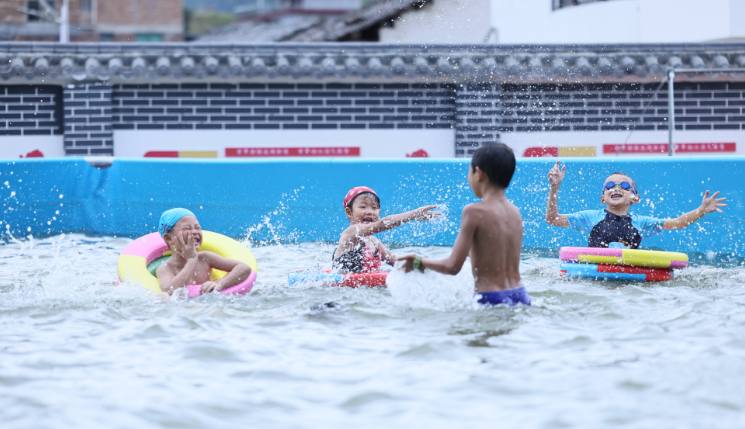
[135, 258]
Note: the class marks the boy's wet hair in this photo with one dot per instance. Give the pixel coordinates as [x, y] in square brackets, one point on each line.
[633, 183]
[497, 161]
[374, 197]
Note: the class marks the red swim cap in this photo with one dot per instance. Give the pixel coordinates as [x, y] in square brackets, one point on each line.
[356, 191]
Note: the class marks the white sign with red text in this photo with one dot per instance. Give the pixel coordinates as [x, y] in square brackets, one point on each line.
[32, 147]
[621, 143]
[438, 143]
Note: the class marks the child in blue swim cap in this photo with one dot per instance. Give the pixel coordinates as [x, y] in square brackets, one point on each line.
[182, 233]
[614, 224]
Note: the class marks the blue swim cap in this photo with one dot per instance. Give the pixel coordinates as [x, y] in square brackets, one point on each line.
[170, 217]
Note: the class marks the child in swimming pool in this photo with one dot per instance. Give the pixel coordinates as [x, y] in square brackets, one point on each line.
[182, 233]
[615, 224]
[491, 233]
[358, 251]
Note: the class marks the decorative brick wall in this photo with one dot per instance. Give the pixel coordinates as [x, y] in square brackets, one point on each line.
[613, 107]
[477, 117]
[88, 120]
[283, 106]
[479, 113]
[30, 110]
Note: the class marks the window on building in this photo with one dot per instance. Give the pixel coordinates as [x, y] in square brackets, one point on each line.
[149, 37]
[33, 7]
[85, 5]
[558, 4]
[106, 37]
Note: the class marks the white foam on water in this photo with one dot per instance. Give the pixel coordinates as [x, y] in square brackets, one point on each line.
[431, 290]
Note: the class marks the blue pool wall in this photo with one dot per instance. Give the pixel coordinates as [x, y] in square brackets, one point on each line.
[301, 200]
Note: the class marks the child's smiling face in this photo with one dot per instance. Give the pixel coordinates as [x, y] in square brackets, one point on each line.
[190, 224]
[365, 209]
[617, 197]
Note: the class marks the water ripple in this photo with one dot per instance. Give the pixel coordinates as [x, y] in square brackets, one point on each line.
[79, 352]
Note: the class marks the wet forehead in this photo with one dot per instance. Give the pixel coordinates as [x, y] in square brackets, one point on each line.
[367, 199]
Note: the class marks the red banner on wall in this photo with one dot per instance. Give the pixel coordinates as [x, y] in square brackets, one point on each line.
[662, 147]
[232, 152]
[538, 152]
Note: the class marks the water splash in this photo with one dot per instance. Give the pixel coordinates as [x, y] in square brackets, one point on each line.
[431, 290]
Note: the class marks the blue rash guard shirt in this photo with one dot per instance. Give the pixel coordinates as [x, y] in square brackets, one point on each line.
[605, 227]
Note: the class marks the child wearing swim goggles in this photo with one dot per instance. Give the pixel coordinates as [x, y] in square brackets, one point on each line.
[614, 224]
[358, 251]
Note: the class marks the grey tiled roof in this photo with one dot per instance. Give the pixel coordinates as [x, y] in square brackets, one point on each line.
[271, 30]
[338, 27]
[454, 63]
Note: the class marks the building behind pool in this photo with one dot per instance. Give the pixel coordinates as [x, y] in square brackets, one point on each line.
[367, 100]
[245, 103]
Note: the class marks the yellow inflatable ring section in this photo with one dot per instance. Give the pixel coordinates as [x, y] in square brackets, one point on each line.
[628, 257]
[134, 259]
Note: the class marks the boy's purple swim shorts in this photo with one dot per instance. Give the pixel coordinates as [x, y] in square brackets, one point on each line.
[510, 297]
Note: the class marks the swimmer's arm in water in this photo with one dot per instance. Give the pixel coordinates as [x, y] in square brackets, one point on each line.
[453, 263]
[390, 222]
[708, 205]
[184, 248]
[237, 272]
[555, 176]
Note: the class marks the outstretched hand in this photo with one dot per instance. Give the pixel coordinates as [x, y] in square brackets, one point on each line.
[425, 213]
[712, 204]
[556, 175]
[408, 262]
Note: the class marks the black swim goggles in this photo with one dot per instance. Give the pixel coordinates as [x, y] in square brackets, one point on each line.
[626, 186]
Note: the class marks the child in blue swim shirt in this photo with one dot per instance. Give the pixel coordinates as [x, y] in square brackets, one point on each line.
[614, 224]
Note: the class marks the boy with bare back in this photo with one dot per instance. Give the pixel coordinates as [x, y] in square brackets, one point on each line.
[491, 233]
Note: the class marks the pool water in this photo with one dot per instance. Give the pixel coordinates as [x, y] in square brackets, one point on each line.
[79, 352]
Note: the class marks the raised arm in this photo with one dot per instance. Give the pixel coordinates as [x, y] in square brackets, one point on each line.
[170, 282]
[708, 205]
[237, 272]
[555, 176]
[453, 263]
[393, 221]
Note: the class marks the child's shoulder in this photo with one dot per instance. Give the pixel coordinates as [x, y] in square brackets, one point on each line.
[486, 210]
[206, 255]
[163, 269]
[473, 208]
[351, 232]
[485, 206]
